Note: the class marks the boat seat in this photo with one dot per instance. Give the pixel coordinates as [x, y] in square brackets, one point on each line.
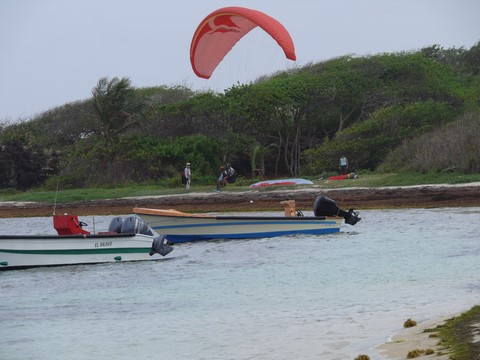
[68, 225]
[289, 207]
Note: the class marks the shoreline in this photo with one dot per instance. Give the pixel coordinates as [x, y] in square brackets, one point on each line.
[463, 325]
[408, 339]
[421, 196]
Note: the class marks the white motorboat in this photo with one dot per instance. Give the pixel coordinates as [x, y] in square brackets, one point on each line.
[127, 239]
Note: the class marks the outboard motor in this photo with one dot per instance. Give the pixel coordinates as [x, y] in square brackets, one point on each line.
[116, 225]
[128, 225]
[324, 206]
[132, 224]
[161, 246]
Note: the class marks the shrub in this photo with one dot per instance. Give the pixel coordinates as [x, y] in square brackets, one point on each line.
[366, 144]
[454, 147]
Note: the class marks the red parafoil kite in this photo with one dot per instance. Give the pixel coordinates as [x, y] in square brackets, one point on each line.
[222, 29]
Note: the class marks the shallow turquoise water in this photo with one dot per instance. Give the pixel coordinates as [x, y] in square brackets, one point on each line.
[304, 297]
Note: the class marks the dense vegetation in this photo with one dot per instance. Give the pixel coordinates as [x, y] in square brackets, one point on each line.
[417, 111]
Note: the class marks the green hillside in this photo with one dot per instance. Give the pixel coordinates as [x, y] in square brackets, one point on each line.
[407, 112]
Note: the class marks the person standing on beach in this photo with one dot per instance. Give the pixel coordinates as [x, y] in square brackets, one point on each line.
[222, 179]
[187, 175]
[231, 174]
[343, 165]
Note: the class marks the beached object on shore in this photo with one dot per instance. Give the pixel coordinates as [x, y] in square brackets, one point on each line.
[419, 352]
[409, 323]
[281, 182]
[362, 357]
[343, 177]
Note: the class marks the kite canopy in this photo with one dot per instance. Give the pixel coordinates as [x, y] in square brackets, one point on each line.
[222, 29]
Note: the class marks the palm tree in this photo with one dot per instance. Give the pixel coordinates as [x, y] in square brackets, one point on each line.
[116, 107]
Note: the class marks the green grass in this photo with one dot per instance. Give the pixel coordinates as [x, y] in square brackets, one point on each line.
[64, 196]
[364, 180]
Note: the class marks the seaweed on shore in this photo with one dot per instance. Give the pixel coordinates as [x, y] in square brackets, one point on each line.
[458, 334]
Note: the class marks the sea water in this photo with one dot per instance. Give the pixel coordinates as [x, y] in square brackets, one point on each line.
[299, 297]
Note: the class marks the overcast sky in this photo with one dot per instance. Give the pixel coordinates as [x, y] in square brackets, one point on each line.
[53, 52]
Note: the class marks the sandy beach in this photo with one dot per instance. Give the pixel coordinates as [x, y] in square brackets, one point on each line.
[414, 338]
[417, 338]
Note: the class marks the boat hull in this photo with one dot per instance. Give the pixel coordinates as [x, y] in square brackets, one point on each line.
[187, 228]
[23, 251]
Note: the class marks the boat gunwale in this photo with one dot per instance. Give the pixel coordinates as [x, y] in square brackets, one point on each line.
[288, 218]
[171, 213]
[75, 236]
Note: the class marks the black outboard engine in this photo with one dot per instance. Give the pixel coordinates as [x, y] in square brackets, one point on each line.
[324, 206]
[160, 243]
[134, 225]
[161, 246]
